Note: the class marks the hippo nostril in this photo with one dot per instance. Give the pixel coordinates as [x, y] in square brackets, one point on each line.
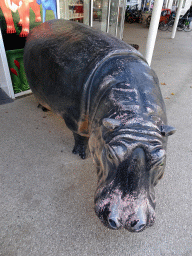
[136, 226]
[138, 221]
[114, 223]
[113, 218]
[133, 223]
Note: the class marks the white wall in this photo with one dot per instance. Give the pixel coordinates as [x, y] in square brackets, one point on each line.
[5, 79]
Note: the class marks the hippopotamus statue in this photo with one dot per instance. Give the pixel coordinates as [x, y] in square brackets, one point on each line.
[110, 98]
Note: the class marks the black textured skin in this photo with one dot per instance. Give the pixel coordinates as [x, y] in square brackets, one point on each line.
[109, 96]
[61, 59]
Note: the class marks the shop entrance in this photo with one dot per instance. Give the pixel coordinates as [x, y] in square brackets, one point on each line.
[105, 15]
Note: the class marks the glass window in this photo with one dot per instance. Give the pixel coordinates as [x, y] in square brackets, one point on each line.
[105, 15]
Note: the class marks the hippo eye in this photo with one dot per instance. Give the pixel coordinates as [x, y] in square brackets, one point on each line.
[111, 156]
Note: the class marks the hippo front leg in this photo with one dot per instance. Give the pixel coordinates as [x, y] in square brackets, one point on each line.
[81, 145]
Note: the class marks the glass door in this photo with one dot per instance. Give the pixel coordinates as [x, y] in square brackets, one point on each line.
[108, 16]
[113, 17]
[75, 10]
[120, 19]
[105, 15]
[100, 14]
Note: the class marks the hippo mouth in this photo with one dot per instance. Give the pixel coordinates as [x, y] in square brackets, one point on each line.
[126, 198]
[132, 212]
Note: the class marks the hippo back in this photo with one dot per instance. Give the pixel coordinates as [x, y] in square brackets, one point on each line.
[60, 59]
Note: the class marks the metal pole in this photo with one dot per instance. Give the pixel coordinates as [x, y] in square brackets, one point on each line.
[117, 19]
[144, 4]
[153, 30]
[150, 5]
[122, 20]
[177, 19]
[165, 3]
[58, 9]
[91, 14]
[108, 16]
[170, 3]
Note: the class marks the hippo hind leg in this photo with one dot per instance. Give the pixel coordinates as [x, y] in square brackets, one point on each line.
[81, 145]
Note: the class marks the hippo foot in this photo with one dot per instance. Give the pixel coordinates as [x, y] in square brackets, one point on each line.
[81, 146]
[43, 108]
[79, 149]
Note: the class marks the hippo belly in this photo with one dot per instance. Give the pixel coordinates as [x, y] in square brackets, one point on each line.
[110, 98]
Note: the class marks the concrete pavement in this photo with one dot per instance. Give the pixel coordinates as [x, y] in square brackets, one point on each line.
[46, 192]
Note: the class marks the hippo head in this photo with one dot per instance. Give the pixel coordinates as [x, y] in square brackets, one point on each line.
[130, 161]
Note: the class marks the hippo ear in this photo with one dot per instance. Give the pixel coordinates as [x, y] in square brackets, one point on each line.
[167, 130]
[110, 123]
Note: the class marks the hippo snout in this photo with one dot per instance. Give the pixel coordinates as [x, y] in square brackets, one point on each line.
[136, 224]
[132, 214]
